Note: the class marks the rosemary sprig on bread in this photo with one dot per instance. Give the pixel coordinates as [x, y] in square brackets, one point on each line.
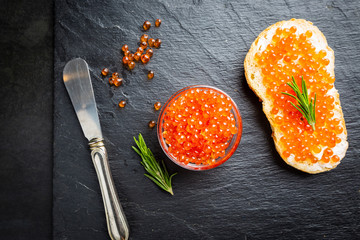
[306, 107]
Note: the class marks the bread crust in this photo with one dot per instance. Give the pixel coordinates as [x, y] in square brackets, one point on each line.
[254, 80]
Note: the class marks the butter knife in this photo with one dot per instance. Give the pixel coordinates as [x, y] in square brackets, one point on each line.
[78, 84]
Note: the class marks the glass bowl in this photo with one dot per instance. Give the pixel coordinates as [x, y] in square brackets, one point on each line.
[233, 142]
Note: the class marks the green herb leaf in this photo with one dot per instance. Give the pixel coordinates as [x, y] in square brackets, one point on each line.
[157, 172]
[306, 108]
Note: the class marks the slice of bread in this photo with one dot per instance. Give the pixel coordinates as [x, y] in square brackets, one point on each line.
[254, 76]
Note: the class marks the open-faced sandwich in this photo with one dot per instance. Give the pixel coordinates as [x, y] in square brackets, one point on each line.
[291, 69]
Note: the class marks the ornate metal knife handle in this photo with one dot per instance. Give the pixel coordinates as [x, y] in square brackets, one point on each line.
[115, 217]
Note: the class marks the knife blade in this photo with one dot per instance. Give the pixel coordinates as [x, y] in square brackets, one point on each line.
[78, 84]
[77, 81]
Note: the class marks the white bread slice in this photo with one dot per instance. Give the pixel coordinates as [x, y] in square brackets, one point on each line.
[254, 78]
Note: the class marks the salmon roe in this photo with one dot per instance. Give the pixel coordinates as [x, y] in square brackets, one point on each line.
[105, 72]
[146, 25]
[292, 54]
[198, 126]
[151, 42]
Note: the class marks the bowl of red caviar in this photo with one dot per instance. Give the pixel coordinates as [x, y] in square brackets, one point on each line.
[199, 127]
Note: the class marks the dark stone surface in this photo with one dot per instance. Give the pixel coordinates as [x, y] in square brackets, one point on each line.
[26, 114]
[254, 194]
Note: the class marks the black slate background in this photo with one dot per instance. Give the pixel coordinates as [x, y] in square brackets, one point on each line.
[254, 195]
[26, 119]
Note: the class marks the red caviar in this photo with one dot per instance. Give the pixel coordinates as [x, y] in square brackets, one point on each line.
[292, 54]
[198, 126]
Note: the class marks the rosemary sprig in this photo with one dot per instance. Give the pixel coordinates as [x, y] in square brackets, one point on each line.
[306, 107]
[158, 172]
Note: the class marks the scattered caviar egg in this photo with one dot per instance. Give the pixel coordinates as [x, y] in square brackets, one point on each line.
[157, 105]
[140, 50]
[144, 38]
[150, 52]
[146, 25]
[157, 43]
[125, 48]
[145, 58]
[151, 42]
[197, 126]
[150, 74]
[122, 103]
[105, 72]
[111, 81]
[131, 57]
[152, 124]
[117, 81]
[131, 65]
[143, 45]
[126, 53]
[115, 75]
[157, 22]
[293, 54]
[137, 56]
[125, 60]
